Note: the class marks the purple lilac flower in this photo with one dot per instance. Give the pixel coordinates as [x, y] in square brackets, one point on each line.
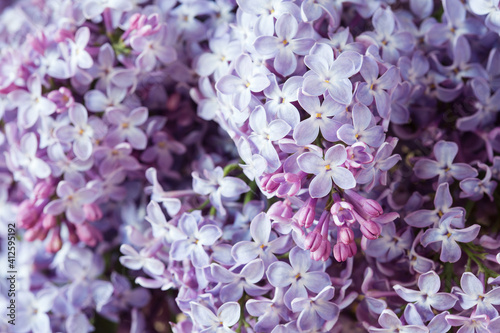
[327, 170]
[473, 294]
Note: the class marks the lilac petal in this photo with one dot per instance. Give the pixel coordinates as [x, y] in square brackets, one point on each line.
[286, 26]
[306, 132]
[95, 101]
[450, 251]
[296, 291]
[343, 178]
[461, 171]
[229, 313]
[188, 225]
[229, 84]
[426, 169]
[443, 199]
[388, 319]
[408, 295]
[328, 311]
[244, 251]
[336, 155]
[307, 320]
[320, 186]
[278, 129]
[280, 274]
[75, 214]
[180, 249]
[300, 259]
[260, 228]
[431, 236]
[442, 301]
[471, 285]
[383, 21]
[259, 82]
[445, 152]
[285, 62]
[314, 86]
[310, 163]
[209, 234]
[253, 271]
[203, 316]
[429, 282]
[341, 91]
[421, 218]
[310, 104]
[232, 187]
[221, 274]
[466, 235]
[266, 45]
[82, 148]
[316, 281]
[199, 257]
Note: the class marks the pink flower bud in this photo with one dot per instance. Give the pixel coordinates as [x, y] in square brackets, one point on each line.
[88, 234]
[49, 221]
[55, 243]
[372, 208]
[305, 215]
[92, 212]
[342, 252]
[345, 235]
[43, 190]
[27, 214]
[72, 236]
[313, 241]
[370, 229]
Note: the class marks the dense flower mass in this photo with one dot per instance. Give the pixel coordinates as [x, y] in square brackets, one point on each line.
[250, 165]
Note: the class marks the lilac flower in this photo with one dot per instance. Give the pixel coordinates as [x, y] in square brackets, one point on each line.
[391, 324]
[327, 170]
[80, 57]
[113, 157]
[299, 275]
[456, 24]
[475, 189]
[190, 242]
[376, 88]
[125, 127]
[97, 101]
[233, 284]
[489, 8]
[241, 86]
[104, 68]
[307, 130]
[473, 294]
[227, 315]
[279, 101]
[285, 46]
[82, 133]
[269, 311]
[361, 131]
[474, 324]
[94, 8]
[140, 260]
[223, 50]
[26, 157]
[391, 245]
[218, 187]
[262, 246]
[255, 163]
[391, 41]
[428, 296]
[33, 316]
[442, 205]
[444, 152]
[264, 133]
[154, 47]
[448, 237]
[70, 201]
[31, 104]
[328, 73]
[312, 310]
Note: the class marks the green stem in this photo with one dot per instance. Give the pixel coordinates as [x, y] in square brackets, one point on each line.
[200, 207]
[249, 195]
[229, 168]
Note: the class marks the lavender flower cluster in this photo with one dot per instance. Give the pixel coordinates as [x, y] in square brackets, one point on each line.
[251, 165]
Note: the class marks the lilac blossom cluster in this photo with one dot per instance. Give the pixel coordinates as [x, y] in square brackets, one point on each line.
[252, 165]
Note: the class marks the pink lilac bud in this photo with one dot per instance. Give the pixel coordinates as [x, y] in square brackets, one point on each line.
[365, 207]
[323, 252]
[345, 235]
[44, 190]
[88, 234]
[72, 236]
[305, 215]
[313, 241]
[372, 208]
[274, 182]
[34, 232]
[49, 221]
[341, 251]
[28, 214]
[281, 208]
[92, 212]
[54, 244]
[370, 229]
